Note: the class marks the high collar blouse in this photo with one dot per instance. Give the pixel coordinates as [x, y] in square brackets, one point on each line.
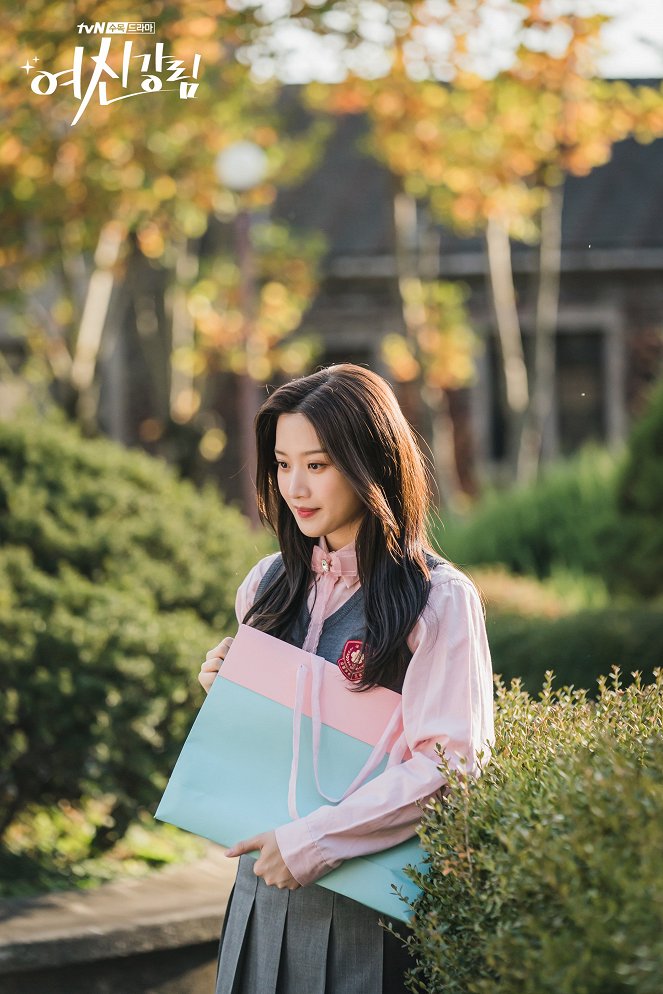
[447, 698]
[335, 580]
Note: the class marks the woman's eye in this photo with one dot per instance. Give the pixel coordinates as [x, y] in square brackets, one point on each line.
[282, 464]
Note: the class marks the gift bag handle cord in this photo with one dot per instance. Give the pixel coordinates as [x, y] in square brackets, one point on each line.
[379, 751]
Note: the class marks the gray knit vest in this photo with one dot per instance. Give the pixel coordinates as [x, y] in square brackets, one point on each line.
[341, 628]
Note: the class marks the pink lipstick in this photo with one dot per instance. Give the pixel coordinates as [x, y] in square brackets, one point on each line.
[306, 512]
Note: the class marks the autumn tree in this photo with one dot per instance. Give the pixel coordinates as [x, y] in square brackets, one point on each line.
[495, 160]
[133, 183]
[73, 193]
[482, 109]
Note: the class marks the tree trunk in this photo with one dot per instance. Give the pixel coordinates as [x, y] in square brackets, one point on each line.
[408, 268]
[444, 451]
[145, 287]
[72, 269]
[181, 324]
[463, 441]
[88, 342]
[248, 388]
[509, 332]
[547, 307]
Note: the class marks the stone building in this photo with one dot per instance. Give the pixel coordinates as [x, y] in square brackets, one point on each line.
[609, 339]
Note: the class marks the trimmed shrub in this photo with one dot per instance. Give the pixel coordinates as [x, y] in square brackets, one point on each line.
[635, 562]
[546, 874]
[115, 578]
[579, 647]
[561, 594]
[561, 521]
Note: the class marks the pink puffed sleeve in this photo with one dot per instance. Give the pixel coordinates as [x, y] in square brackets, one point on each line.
[447, 699]
[246, 592]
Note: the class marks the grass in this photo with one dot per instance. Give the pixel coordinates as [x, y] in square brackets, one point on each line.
[563, 593]
[47, 849]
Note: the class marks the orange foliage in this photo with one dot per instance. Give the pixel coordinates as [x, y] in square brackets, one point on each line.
[478, 147]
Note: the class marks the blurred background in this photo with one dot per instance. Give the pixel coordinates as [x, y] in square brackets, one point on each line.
[467, 197]
[451, 193]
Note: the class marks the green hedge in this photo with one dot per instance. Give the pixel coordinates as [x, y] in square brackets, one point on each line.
[591, 514]
[547, 873]
[635, 558]
[579, 648]
[115, 577]
[564, 520]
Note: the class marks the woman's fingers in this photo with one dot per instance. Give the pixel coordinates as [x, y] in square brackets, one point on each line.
[219, 651]
[212, 664]
[206, 680]
[270, 864]
[247, 845]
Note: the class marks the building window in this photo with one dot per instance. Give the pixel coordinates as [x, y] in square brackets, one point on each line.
[580, 389]
[579, 406]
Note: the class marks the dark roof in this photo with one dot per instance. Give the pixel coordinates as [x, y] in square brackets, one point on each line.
[618, 206]
[348, 197]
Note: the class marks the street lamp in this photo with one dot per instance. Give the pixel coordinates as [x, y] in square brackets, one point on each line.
[240, 167]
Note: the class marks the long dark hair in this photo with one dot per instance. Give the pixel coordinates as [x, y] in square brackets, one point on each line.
[358, 421]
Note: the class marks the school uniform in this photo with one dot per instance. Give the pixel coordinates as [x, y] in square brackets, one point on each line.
[310, 940]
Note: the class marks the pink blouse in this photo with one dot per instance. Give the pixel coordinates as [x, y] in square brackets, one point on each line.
[447, 699]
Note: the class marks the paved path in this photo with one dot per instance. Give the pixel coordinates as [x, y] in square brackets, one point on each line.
[177, 906]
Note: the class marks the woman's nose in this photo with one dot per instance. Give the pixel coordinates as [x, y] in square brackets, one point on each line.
[297, 485]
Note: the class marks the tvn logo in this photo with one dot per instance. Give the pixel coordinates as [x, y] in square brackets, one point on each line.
[117, 28]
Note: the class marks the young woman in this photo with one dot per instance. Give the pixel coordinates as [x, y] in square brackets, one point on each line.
[343, 484]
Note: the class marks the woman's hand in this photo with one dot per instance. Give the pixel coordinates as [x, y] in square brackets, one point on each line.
[212, 663]
[269, 865]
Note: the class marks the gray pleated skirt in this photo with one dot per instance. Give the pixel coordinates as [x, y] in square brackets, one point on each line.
[306, 941]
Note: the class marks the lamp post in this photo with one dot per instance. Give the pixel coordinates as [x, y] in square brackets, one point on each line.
[241, 167]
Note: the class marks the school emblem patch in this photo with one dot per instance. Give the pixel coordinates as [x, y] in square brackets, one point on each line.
[351, 663]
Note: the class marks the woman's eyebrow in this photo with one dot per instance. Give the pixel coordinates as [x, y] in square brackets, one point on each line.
[311, 452]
